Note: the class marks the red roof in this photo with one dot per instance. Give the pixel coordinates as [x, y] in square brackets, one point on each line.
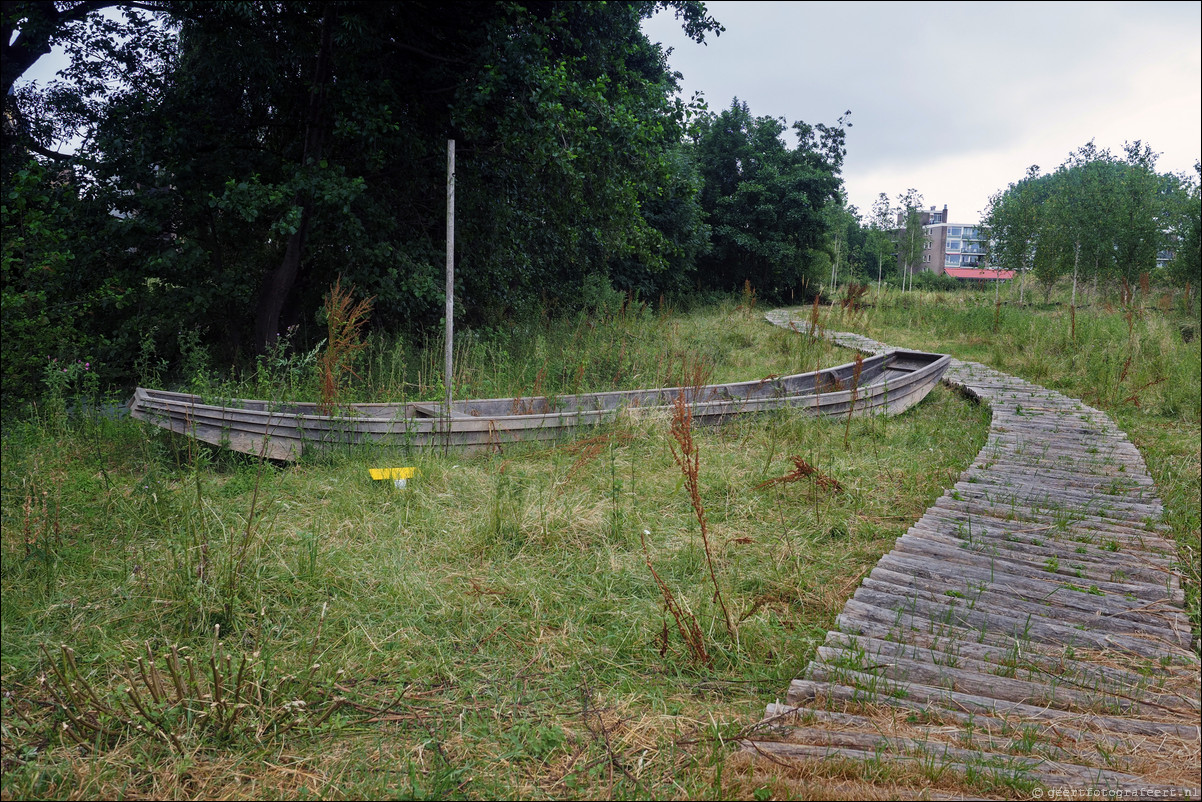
[980, 273]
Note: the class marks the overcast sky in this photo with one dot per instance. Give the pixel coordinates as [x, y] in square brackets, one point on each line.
[957, 99]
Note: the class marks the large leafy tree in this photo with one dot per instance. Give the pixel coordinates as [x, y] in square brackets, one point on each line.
[255, 151]
[844, 242]
[1012, 221]
[1185, 222]
[764, 200]
[1098, 216]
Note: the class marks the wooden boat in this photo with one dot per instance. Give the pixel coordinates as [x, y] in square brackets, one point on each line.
[887, 384]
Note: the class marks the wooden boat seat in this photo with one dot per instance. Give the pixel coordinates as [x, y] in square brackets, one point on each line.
[431, 411]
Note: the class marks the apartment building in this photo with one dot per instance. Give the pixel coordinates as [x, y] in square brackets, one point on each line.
[954, 249]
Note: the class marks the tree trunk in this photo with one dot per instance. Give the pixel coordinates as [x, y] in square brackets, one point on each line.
[1072, 305]
[835, 270]
[280, 283]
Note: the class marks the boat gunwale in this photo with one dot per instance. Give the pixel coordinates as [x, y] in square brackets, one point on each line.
[166, 401]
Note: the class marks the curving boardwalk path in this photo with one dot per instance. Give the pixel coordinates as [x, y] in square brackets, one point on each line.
[1027, 632]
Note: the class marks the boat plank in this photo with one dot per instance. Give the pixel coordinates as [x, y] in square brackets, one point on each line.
[889, 384]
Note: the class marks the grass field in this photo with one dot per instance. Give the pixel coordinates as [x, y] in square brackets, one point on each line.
[179, 623]
[493, 629]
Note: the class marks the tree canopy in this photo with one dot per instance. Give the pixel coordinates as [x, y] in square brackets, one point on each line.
[234, 159]
[1098, 216]
[764, 200]
[203, 172]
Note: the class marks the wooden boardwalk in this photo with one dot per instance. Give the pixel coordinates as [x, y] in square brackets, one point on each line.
[1026, 633]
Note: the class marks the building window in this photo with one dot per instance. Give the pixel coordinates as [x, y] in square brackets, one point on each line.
[954, 231]
[926, 258]
[952, 260]
[953, 245]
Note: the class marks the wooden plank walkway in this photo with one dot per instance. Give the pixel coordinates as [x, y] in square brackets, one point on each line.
[1026, 633]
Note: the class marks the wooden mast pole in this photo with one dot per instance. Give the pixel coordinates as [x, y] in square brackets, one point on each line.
[449, 374]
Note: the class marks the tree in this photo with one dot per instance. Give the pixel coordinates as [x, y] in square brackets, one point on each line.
[1012, 221]
[765, 201]
[1098, 215]
[1137, 232]
[1185, 221]
[92, 34]
[36, 258]
[841, 225]
[1077, 213]
[253, 152]
[912, 237]
[673, 210]
[880, 246]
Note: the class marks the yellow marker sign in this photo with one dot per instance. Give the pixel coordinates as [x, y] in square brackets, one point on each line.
[392, 473]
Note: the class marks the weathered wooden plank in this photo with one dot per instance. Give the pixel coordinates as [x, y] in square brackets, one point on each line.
[985, 566]
[967, 702]
[813, 696]
[1066, 606]
[1003, 472]
[1144, 542]
[1058, 499]
[978, 540]
[977, 677]
[787, 751]
[983, 733]
[818, 742]
[1019, 513]
[1042, 492]
[1039, 449]
[910, 558]
[1038, 547]
[1025, 626]
[858, 614]
[1080, 669]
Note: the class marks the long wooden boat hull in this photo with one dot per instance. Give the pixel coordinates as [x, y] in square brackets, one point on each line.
[887, 384]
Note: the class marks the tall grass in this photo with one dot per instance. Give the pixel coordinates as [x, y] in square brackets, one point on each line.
[491, 630]
[1127, 355]
[631, 349]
